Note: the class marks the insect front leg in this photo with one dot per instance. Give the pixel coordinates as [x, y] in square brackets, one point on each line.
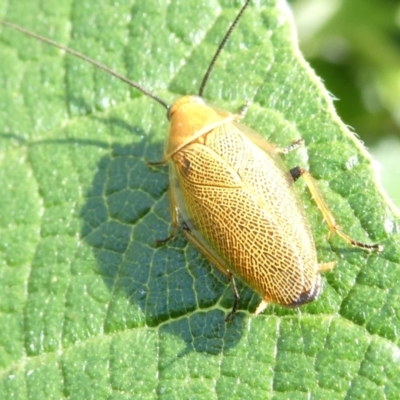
[326, 212]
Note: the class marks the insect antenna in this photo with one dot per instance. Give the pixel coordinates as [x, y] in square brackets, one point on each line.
[88, 60]
[220, 47]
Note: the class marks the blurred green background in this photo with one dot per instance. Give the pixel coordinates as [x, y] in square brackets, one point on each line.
[354, 46]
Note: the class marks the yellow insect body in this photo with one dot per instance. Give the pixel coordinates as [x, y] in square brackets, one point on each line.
[239, 205]
[234, 200]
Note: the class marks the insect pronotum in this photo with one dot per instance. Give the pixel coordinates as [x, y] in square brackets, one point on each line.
[233, 200]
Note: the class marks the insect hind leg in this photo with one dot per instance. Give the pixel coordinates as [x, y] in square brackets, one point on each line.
[298, 172]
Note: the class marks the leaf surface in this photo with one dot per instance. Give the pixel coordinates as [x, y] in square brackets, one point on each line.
[89, 306]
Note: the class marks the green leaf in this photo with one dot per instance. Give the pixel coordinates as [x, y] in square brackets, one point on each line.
[354, 46]
[89, 306]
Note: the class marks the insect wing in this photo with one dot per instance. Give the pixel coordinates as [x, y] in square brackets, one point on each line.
[239, 203]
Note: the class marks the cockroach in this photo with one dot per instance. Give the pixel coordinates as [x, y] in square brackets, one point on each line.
[235, 202]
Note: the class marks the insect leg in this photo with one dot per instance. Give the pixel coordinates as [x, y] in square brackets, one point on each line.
[323, 267]
[174, 222]
[293, 146]
[323, 207]
[261, 307]
[156, 163]
[218, 263]
[242, 113]
[207, 252]
[236, 300]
